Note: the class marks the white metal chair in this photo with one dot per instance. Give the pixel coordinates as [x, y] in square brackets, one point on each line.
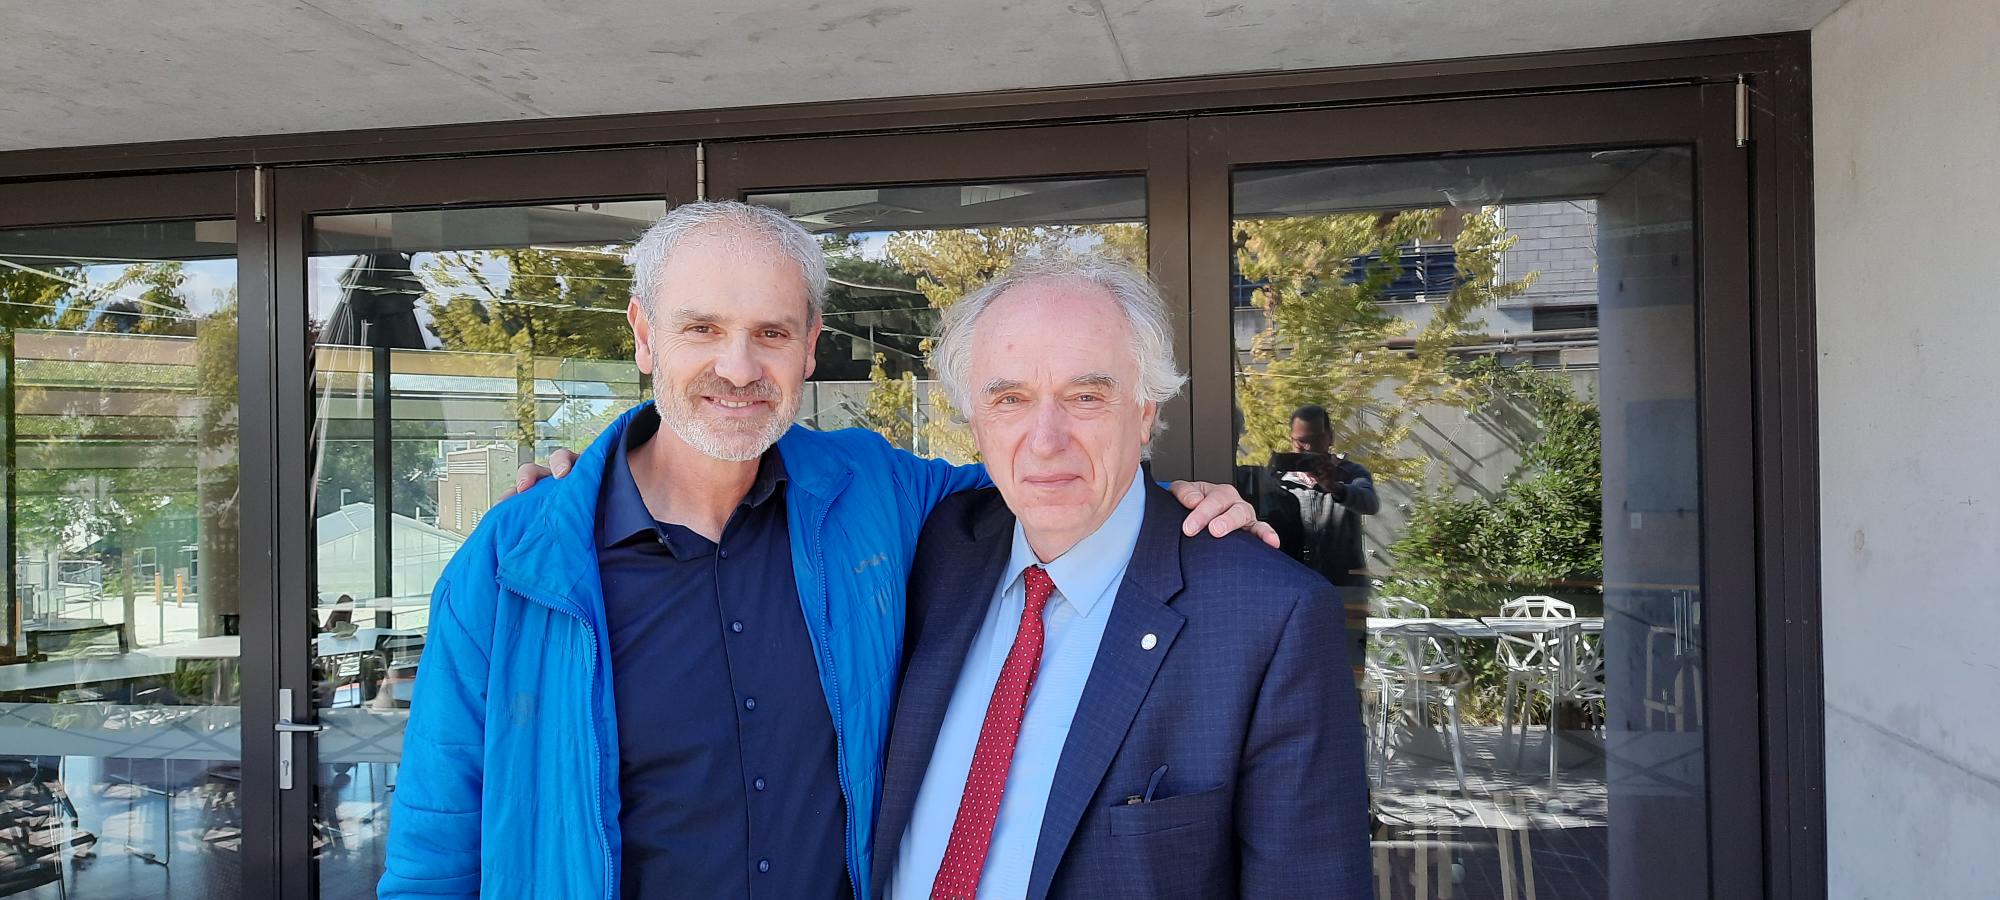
[1563, 664]
[1528, 659]
[1418, 663]
[1397, 608]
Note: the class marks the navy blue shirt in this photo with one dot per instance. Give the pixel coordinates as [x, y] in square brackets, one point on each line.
[726, 748]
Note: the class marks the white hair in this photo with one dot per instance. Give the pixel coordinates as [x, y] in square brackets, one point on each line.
[649, 255]
[1145, 311]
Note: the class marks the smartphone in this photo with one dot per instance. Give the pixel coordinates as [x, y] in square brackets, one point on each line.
[1297, 462]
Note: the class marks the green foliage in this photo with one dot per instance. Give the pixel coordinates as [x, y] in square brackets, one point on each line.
[945, 266]
[560, 303]
[1541, 534]
[1326, 330]
[889, 407]
[552, 303]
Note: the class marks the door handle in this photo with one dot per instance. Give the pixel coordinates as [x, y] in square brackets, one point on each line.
[285, 729]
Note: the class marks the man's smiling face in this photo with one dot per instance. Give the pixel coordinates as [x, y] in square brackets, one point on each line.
[729, 342]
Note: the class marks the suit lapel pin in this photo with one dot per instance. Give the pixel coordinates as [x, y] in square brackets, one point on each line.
[1148, 642]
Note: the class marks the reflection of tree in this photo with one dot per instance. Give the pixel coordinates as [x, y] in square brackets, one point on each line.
[947, 265]
[1322, 281]
[347, 463]
[28, 300]
[143, 299]
[218, 463]
[119, 415]
[873, 307]
[1543, 533]
[889, 409]
[531, 303]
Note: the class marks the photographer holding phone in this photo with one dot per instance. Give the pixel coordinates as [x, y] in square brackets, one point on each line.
[1334, 492]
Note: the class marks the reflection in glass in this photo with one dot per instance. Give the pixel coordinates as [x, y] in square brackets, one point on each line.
[898, 255]
[449, 347]
[119, 747]
[1504, 488]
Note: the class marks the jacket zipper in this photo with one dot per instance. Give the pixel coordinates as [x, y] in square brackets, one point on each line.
[596, 753]
[833, 686]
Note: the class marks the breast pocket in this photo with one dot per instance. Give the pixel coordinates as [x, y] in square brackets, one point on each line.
[1203, 808]
[1173, 848]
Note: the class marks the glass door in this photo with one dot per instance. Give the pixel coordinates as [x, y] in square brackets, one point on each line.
[130, 641]
[910, 223]
[1517, 379]
[456, 319]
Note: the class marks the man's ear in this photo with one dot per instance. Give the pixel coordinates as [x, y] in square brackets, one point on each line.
[642, 335]
[1149, 417]
[812, 347]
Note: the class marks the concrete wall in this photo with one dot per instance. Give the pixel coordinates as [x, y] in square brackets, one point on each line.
[1906, 101]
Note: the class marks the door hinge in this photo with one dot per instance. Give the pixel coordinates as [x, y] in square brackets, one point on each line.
[700, 171]
[286, 729]
[1742, 111]
[257, 193]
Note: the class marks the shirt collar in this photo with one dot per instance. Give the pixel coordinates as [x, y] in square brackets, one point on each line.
[1088, 571]
[623, 514]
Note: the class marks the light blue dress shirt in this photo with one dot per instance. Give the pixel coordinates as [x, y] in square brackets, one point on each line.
[1087, 580]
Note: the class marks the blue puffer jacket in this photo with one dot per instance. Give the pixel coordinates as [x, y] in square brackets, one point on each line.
[509, 780]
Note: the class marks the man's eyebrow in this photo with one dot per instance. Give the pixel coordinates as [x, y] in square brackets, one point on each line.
[1095, 379]
[690, 314]
[998, 385]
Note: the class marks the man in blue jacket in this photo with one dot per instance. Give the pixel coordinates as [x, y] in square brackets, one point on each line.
[671, 673]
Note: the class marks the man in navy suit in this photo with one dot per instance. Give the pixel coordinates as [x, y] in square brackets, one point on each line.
[1094, 704]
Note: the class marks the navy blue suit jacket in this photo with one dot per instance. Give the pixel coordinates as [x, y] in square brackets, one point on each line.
[1246, 698]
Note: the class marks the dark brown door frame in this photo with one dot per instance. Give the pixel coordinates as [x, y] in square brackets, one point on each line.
[213, 195]
[1154, 150]
[1780, 328]
[298, 194]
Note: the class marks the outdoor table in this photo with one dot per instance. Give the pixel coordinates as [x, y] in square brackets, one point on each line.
[362, 641]
[67, 673]
[383, 607]
[1491, 628]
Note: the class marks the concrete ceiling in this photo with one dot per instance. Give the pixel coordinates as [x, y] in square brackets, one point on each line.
[116, 71]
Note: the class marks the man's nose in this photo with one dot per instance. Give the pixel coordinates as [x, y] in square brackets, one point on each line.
[738, 363]
[1050, 430]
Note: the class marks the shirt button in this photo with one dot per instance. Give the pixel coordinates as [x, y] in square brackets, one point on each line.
[725, 553]
[736, 626]
[758, 784]
[749, 703]
[763, 865]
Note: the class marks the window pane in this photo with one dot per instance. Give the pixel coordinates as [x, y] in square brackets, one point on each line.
[449, 347]
[1505, 346]
[119, 678]
[898, 255]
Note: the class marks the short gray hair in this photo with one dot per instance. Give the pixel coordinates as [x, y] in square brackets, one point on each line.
[1145, 311]
[649, 255]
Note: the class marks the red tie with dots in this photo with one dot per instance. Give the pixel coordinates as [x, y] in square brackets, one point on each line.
[972, 833]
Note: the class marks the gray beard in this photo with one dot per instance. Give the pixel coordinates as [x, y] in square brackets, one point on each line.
[726, 444]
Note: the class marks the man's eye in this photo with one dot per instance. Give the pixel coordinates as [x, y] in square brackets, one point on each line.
[1008, 401]
[1088, 398]
[772, 334]
[701, 329]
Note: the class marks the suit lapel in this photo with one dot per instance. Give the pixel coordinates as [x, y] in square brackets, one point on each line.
[1119, 680]
[952, 608]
